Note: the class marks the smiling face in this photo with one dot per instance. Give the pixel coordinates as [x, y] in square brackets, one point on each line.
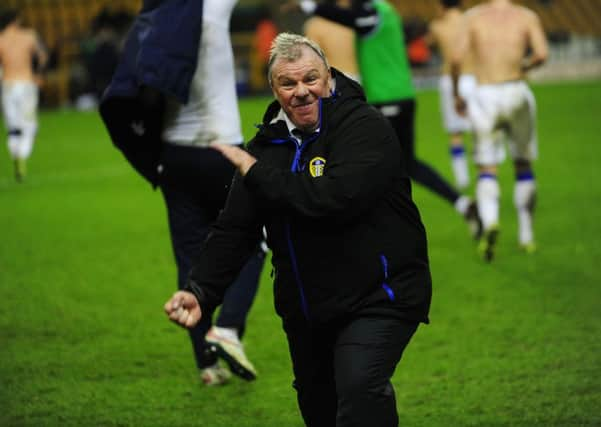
[298, 85]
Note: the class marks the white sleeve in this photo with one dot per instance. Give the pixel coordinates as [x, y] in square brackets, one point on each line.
[307, 6]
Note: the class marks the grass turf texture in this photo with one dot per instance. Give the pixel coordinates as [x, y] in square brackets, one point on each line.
[86, 265]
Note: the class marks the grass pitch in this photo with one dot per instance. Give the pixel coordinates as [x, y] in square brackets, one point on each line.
[86, 265]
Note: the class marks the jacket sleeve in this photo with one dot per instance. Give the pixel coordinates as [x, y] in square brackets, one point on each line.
[363, 163]
[230, 243]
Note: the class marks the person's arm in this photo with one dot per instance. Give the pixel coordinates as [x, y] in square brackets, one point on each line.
[537, 43]
[362, 18]
[360, 168]
[460, 105]
[40, 58]
[230, 243]
[430, 37]
[40, 52]
[457, 56]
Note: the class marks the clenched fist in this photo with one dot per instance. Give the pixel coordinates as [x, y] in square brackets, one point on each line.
[183, 309]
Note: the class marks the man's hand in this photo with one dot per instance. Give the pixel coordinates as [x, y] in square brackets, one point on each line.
[237, 156]
[183, 309]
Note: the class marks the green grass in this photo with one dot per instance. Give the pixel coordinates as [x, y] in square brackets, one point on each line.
[86, 265]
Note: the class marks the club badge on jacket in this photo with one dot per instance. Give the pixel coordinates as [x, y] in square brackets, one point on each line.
[317, 166]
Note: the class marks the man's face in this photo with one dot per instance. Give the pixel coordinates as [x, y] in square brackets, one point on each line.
[298, 85]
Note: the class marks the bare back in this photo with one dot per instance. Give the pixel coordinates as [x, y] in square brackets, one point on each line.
[500, 34]
[445, 33]
[337, 41]
[18, 46]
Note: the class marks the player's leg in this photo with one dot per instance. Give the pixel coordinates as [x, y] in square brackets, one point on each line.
[523, 146]
[209, 174]
[488, 193]
[459, 163]
[455, 126]
[524, 198]
[403, 123]
[28, 107]
[404, 126]
[187, 183]
[11, 108]
[488, 153]
[196, 182]
[402, 119]
[188, 230]
[227, 333]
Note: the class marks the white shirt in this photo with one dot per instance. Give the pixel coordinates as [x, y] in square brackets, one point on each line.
[211, 113]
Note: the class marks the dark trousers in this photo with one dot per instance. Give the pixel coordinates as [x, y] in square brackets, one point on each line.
[401, 116]
[194, 183]
[342, 371]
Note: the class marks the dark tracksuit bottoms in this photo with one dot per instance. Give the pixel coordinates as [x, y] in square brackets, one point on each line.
[342, 369]
[195, 182]
[401, 116]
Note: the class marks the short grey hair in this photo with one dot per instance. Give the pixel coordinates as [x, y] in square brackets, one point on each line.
[289, 46]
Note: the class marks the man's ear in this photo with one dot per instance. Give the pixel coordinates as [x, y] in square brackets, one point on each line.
[275, 94]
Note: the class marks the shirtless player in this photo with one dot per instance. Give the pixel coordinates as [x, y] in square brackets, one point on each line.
[500, 34]
[19, 47]
[336, 40]
[444, 33]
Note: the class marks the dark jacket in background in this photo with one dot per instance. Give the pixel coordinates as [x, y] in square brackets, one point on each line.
[348, 240]
[159, 59]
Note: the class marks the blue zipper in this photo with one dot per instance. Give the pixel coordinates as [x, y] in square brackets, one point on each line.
[297, 167]
[385, 286]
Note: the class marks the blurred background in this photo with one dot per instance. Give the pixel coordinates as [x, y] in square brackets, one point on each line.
[86, 262]
[83, 38]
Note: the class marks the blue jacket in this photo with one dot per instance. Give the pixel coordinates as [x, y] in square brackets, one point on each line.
[159, 58]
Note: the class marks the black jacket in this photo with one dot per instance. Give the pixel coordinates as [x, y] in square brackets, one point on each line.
[340, 221]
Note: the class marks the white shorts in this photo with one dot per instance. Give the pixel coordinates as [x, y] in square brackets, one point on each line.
[503, 112]
[453, 122]
[19, 105]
